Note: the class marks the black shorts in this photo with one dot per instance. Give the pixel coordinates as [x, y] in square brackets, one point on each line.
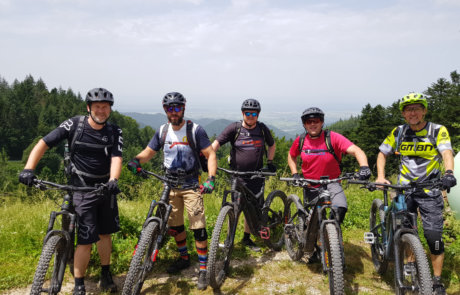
[430, 210]
[97, 215]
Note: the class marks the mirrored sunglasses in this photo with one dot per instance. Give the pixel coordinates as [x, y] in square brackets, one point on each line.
[249, 114]
[176, 109]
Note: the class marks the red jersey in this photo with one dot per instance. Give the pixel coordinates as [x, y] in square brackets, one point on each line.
[318, 162]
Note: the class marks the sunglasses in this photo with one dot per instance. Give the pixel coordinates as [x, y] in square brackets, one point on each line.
[249, 114]
[313, 121]
[176, 109]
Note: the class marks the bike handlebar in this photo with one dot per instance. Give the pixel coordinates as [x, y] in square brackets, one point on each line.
[306, 182]
[169, 179]
[46, 185]
[253, 174]
[372, 186]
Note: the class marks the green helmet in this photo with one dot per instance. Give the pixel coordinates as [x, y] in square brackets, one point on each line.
[413, 98]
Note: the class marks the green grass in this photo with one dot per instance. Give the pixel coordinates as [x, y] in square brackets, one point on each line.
[23, 223]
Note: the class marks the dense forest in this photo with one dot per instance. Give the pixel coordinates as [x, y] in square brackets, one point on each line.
[28, 111]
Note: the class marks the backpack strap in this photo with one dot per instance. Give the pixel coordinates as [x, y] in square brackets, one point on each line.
[262, 128]
[238, 126]
[330, 148]
[163, 132]
[431, 136]
[190, 130]
[77, 135]
[401, 132]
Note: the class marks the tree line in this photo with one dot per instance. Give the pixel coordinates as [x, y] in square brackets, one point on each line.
[28, 111]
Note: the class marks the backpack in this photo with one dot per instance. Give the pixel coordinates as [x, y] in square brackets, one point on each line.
[70, 151]
[202, 162]
[327, 139]
[402, 132]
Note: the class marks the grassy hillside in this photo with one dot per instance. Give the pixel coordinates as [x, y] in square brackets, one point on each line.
[251, 273]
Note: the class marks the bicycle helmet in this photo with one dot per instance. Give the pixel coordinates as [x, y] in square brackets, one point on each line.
[99, 94]
[251, 104]
[173, 98]
[413, 98]
[312, 113]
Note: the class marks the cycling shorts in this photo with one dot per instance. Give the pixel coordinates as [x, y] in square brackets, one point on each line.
[430, 207]
[97, 215]
[338, 198]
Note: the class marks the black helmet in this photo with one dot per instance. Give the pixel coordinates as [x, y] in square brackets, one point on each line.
[173, 98]
[312, 113]
[251, 104]
[99, 94]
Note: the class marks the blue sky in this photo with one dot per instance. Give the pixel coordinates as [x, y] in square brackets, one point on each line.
[289, 54]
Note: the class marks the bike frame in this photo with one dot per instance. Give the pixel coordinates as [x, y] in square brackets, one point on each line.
[398, 221]
[316, 217]
[68, 221]
[244, 200]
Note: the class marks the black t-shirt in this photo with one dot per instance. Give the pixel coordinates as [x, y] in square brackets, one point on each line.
[248, 150]
[89, 157]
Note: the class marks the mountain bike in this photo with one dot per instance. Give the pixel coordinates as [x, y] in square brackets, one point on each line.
[58, 244]
[153, 236]
[314, 226]
[266, 222]
[394, 237]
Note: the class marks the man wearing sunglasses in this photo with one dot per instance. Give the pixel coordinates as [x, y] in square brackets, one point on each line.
[181, 160]
[248, 139]
[321, 152]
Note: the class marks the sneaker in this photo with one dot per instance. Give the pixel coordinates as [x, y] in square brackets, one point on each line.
[79, 290]
[202, 280]
[250, 244]
[314, 258]
[106, 283]
[438, 286]
[178, 265]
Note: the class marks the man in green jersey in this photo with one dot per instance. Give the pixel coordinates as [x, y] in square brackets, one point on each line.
[422, 146]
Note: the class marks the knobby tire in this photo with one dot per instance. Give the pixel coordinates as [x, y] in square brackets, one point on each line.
[409, 244]
[334, 259]
[275, 218]
[293, 231]
[55, 246]
[378, 248]
[141, 260]
[221, 247]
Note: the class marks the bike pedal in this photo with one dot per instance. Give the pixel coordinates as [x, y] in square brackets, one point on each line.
[369, 238]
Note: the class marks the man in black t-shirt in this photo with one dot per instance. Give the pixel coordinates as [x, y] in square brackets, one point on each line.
[95, 157]
[248, 139]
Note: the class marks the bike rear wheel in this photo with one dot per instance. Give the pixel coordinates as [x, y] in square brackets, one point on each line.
[376, 225]
[293, 230]
[413, 266]
[275, 217]
[141, 262]
[50, 264]
[220, 250]
[334, 258]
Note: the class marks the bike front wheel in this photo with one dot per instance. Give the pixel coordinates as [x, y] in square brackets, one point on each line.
[275, 217]
[220, 250]
[294, 229]
[376, 224]
[413, 267]
[51, 266]
[142, 260]
[334, 258]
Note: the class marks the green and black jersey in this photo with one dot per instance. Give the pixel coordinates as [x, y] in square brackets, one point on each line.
[420, 155]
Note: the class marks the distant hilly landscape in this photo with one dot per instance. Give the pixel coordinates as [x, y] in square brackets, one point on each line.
[212, 126]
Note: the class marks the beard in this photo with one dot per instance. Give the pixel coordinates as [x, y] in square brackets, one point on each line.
[176, 120]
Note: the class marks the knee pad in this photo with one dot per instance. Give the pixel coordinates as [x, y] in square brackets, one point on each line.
[200, 234]
[175, 230]
[341, 211]
[434, 240]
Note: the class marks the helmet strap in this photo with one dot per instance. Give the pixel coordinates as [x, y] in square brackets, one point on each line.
[91, 115]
